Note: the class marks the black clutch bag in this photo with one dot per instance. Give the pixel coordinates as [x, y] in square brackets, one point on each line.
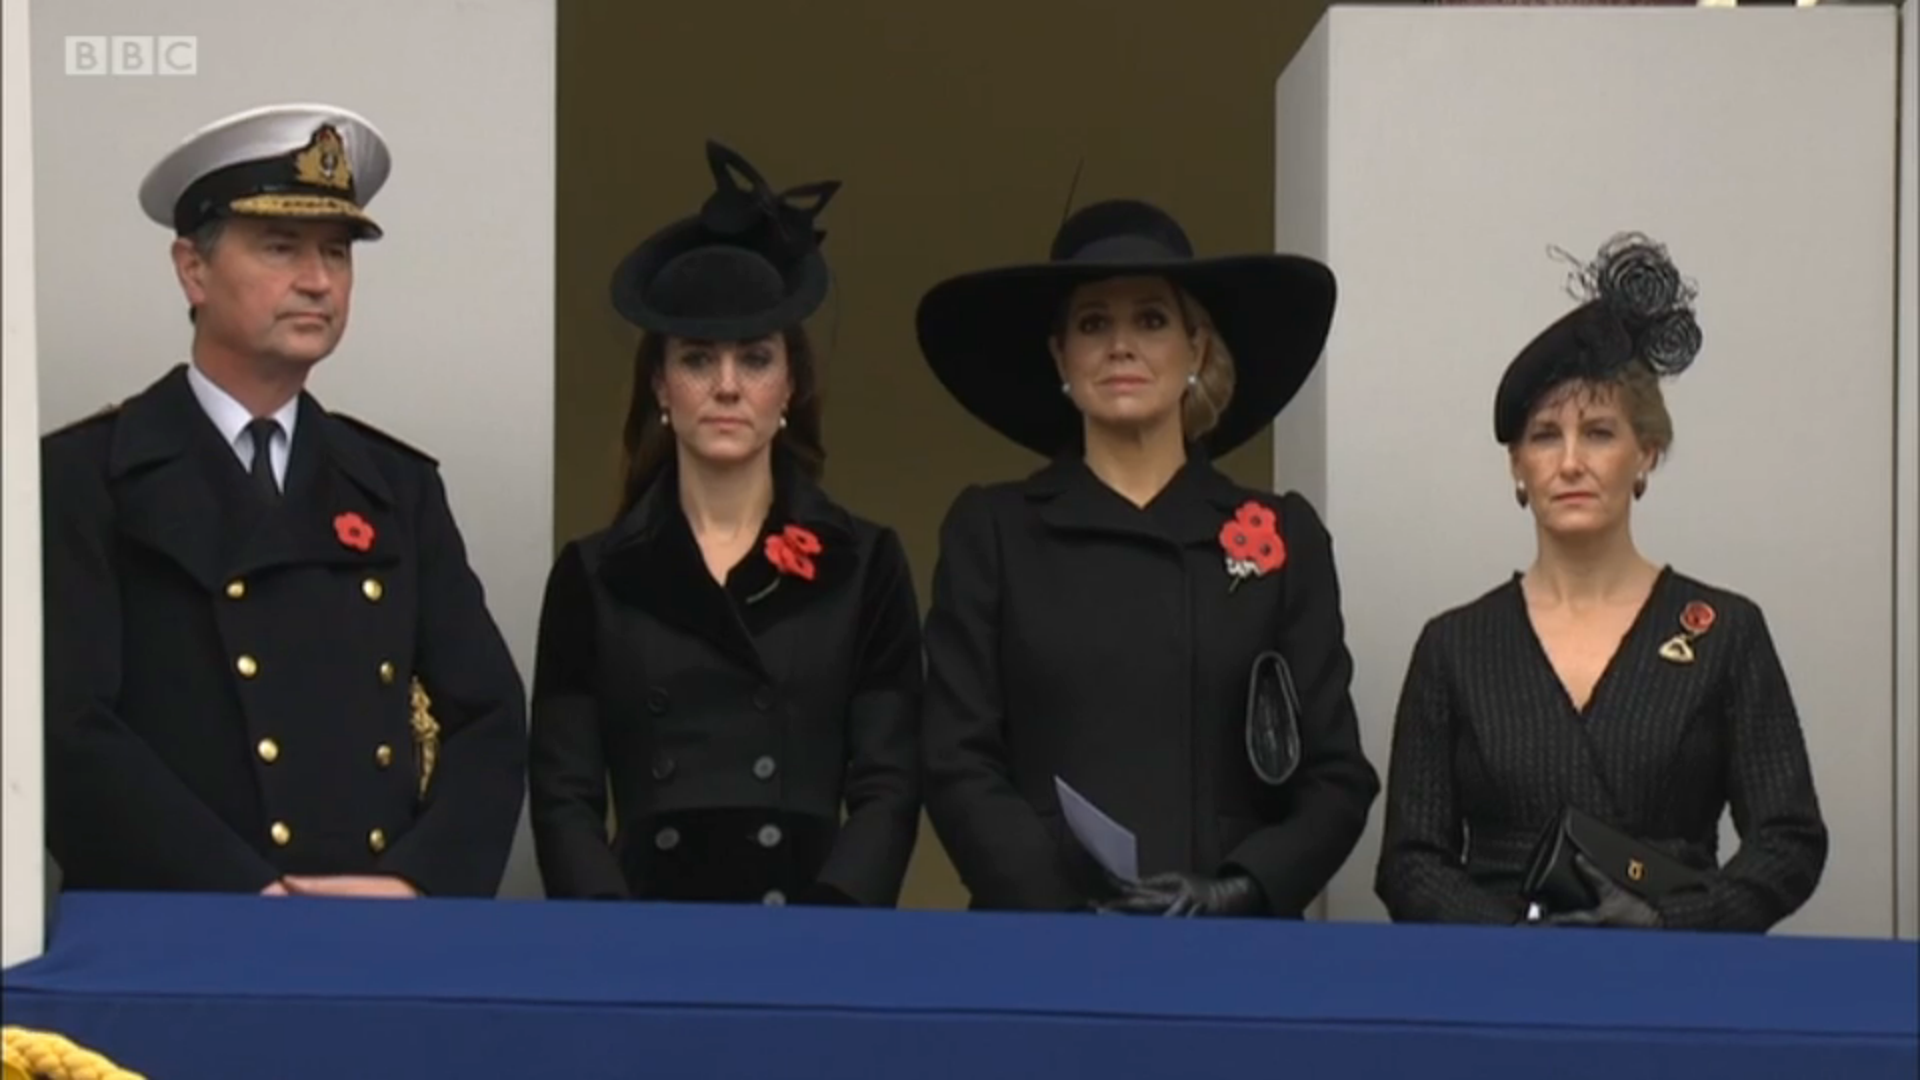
[1273, 720]
[1554, 885]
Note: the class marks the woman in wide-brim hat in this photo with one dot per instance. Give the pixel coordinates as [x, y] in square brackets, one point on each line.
[1127, 626]
[735, 655]
[1598, 681]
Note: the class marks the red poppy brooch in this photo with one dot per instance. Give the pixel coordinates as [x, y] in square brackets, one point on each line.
[791, 551]
[1695, 620]
[1252, 543]
[354, 531]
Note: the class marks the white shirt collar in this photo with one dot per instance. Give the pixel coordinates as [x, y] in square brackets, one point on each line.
[232, 418]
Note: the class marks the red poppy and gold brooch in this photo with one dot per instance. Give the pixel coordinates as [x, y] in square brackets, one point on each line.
[1252, 543]
[1695, 620]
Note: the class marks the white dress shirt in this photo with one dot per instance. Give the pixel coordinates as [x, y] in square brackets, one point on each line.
[232, 418]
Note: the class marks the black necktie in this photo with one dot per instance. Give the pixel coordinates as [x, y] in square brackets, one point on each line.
[263, 431]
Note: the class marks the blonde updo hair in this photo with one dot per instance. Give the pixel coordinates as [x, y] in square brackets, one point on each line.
[1212, 391]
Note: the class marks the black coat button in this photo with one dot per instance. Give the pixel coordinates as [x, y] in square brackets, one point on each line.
[662, 766]
[765, 767]
[763, 700]
[657, 701]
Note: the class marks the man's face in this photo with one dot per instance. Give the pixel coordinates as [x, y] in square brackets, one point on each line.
[275, 291]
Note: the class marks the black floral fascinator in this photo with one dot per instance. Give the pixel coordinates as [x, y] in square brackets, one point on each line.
[1637, 309]
[747, 265]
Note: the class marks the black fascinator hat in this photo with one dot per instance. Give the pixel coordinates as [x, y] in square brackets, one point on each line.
[747, 265]
[1637, 310]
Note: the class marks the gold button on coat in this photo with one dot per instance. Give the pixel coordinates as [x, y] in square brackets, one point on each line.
[383, 755]
[236, 589]
[377, 840]
[269, 751]
[281, 834]
[386, 672]
[247, 666]
[372, 589]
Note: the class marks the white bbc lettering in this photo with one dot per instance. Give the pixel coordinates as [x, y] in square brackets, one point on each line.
[133, 54]
[86, 55]
[177, 55]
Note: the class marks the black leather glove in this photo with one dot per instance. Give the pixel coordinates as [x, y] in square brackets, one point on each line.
[1178, 895]
[1615, 907]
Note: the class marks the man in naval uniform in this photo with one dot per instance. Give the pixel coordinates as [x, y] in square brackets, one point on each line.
[269, 667]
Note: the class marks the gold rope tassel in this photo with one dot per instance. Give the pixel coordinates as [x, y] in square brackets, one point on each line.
[426, 734]
[42, 1055]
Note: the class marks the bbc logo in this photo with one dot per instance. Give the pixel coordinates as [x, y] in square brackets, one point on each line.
[138, 55]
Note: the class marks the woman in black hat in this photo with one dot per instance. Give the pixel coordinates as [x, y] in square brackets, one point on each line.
[735, 655]
[1566, 743]
[1166, 645]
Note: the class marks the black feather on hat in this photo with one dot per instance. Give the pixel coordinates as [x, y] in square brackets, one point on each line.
[985, 334]
[747, 265]
[1638, 309]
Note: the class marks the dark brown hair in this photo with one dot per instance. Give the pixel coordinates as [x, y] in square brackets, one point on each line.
[648, 446]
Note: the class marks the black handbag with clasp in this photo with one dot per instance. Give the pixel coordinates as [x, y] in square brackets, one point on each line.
[1554, 885]
[1273, 720]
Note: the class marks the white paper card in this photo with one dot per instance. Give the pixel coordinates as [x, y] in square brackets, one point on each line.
[1111, 843]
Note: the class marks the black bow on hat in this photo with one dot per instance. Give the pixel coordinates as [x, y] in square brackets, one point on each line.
[747, 265]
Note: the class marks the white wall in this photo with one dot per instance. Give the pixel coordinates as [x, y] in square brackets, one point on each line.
[451, 345]
[1458, 143]
[21, 860]
[1907, 490]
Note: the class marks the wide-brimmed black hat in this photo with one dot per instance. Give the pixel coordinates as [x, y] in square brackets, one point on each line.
[747, 265]
[985, 334]
[1636, 309]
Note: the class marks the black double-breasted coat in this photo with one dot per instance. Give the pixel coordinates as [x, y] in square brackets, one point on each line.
[1075, 635]
[760, 737]
[1488, 747]
[228, 681]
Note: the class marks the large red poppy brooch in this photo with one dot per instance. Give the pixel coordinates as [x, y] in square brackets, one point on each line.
[1695, 620]
[353, 531]
[791, 551]
[1252, 543]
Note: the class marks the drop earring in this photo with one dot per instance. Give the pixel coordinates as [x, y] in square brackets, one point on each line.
[1067, 389]
[1640, 486]
[666, 419]
[1520, 495]
[783, 422]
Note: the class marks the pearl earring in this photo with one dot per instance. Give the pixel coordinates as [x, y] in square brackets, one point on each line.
[666, 419]
[783, 422]
[1067, 389]
[1193, 378]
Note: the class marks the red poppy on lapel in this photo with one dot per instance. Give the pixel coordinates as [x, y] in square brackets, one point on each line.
[1252, 543]
[791, 551]
[1697, 617]
[354, 531]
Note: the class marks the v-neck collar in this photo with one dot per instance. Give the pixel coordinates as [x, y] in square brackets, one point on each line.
[1621, 651]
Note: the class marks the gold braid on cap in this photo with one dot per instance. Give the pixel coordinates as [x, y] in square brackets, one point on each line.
[426, 734]
[43, 1055]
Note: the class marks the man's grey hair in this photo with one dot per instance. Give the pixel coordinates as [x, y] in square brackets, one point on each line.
[205, 239]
